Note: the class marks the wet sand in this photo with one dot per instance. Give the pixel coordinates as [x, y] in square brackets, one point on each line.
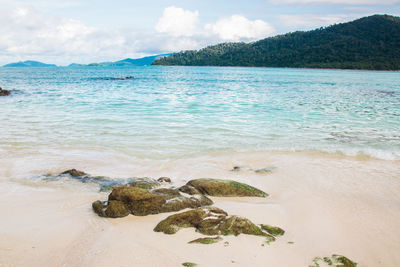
[327, 204]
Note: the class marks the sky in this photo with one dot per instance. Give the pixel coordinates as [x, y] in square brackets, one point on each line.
[85, 31]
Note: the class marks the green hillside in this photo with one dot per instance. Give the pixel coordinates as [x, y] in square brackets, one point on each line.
[368, 43]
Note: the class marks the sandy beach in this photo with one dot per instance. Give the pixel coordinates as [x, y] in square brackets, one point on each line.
[327, 204]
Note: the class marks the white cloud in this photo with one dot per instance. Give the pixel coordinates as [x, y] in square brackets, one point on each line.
[348, 2]
[176, 21]
[239, 28]
[312, 21]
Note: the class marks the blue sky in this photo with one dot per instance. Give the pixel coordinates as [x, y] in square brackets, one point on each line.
[87, 31]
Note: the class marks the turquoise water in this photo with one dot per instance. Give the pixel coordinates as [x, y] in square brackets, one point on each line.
[177, 111]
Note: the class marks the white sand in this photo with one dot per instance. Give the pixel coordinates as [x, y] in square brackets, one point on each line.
[326, 203]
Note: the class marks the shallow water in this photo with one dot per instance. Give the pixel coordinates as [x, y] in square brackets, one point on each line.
[172, 112]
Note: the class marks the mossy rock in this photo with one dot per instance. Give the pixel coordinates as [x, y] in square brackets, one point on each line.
[225, 188]
[125, 200]
[189, 190]
[206, 240]
[273, 230]
[189, 264]
[334, 260]
[139, 201]
[191, 218]
[209, 221]
[100, 208]
[74, 173]
[167, 192]
[145, 183]
[116, 209]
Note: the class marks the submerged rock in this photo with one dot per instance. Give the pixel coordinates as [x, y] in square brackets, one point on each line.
[206, 240]
[189, 264]
[74, 173]
[273, 230]
[334, 260]
[209, 221]
[125, 200]
[224, 188]
[265, 170]
[4, 92]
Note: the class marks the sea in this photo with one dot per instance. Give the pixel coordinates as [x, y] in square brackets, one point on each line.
[174, 112]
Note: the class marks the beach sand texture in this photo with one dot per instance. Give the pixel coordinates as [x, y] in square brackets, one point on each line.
[327, 204]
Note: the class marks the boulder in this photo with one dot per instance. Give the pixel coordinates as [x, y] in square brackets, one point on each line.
[224, 188]
[125, 200]
[209, 221]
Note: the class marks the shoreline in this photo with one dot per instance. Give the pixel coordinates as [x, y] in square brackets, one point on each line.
[337, 202]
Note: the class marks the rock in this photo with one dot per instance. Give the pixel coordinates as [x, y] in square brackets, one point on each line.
[206, 240]
[273, 230]
[209, 221]
[189, 264]
[125, 200]
[167, 192]
[225, 188]
[145, 183]
[4, 92]
[188, 189]
[139, 201]
[236, 169]
[265, 170]
[100, 208]
[335, 260]
[164, 180]
[116, 209]
[74, 173]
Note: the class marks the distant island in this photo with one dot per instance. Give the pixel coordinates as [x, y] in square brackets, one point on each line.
[144, 61]
[29, 63]
[371, 43]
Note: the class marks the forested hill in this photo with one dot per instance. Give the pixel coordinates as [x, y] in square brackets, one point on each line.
[368, 43]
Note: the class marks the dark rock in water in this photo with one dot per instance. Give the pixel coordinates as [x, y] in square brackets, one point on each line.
[74, 173]
[123, 78]
[206, 240]
[273, 230]
[145, 183]
[236, 169]
[189, 264]
[164, 180]
[224, 188]
[209, 221]
[4, 92]
[335, 260]
[125, 200]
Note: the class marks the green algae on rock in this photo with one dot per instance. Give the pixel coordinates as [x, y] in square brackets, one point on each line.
[145, 183]
[206, 240]
[335, 260]
[210, 221]
[225, 188]
[125, 200]
[189, 264]
[273, 230]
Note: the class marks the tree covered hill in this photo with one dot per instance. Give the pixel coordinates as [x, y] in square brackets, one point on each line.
[368, 43]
